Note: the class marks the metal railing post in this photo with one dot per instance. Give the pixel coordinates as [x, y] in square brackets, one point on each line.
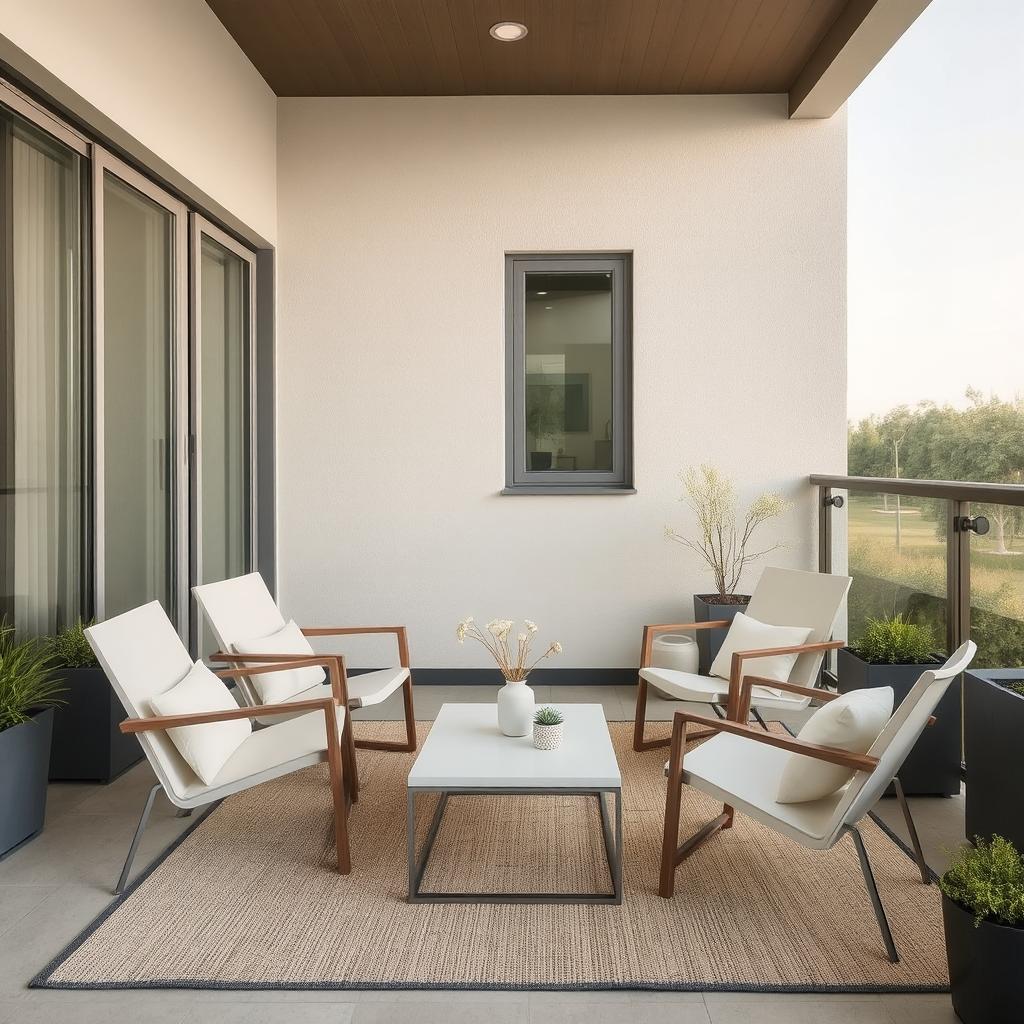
[824, 529]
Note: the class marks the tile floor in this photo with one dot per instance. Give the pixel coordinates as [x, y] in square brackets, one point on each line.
[54, 886]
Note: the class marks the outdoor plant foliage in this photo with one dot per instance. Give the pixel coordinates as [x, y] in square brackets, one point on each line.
[987, 879]
[895, 641]
[27, 680]
[725, 536]
[71, 649]
[548, 716]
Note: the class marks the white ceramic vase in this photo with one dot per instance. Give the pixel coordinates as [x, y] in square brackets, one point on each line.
[516, 708]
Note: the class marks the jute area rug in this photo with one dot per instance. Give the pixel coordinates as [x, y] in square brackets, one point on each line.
[249, 898]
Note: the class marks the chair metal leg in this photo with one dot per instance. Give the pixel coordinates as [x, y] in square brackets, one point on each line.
[718, 710]
[135, 839]
[922, 865]
[183, 812]
[760, 721]
[876, 900]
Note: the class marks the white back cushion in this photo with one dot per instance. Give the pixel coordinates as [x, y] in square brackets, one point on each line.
[142, 655]
[205, 748]
[238, 609]
[794, 597]
[748, 634]
[274, 687]
[851, 722]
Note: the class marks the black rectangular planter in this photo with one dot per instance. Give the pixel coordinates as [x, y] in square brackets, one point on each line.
[88, 746]
[993, 740]
[24, 754]
[933, 767]
[706, 609]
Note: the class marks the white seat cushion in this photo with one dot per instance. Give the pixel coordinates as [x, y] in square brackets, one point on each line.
[748, 634]
[363, 690]
[206, 748]
[277, 687]
[745, 774]
[850, 722]
[268, 754]
[708, 690]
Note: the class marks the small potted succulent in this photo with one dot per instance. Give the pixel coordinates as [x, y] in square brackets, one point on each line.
[724, 543]
[892, 651]
[983, 916]
[87, 744]
[993, 727]
[29, 692]
[547, 728]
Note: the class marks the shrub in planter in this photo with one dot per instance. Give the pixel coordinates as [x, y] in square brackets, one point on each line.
[29, 692]
[983, 915]
[893, 651]
[87, 743]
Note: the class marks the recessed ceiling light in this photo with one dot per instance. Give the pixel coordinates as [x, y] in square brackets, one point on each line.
[547, 307]
[508, 31]
[542, 293]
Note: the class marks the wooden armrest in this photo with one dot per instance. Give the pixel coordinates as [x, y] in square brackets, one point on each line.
[401, 634]
[736, 669]
[805, 691]
[204, 717]
[651, 631]
[846, 758]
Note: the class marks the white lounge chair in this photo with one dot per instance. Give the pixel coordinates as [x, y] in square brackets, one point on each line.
[143, 656]
[783, 597]
[242, 608]
[742, 766]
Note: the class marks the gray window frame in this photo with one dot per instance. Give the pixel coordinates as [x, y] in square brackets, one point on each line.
[518, 478]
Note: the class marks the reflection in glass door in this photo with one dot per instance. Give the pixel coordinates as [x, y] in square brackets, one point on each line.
[222, 473]
[140, 382]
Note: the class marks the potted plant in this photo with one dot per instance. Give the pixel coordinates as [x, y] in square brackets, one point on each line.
[893, 651]
[993, 727]
[28, 694]
[547, 728]
[724, 543]
[983, 916]
[515, 699]
[87, 744]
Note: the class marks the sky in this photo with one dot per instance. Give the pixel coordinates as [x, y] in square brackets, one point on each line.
[936, 212]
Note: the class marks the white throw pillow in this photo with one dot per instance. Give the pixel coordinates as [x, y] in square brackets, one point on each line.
[276, 687]
[747, 634]
[851, 722]
[206, 748]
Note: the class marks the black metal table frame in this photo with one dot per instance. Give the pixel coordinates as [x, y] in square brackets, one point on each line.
[418, 862]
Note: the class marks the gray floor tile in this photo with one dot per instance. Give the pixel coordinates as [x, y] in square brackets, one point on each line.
[441, 1012]
[606, 1011]
[924, 1009]
[18, 900]
[758, 1008]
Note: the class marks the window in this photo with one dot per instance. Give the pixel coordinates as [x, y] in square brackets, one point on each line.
[568, 364]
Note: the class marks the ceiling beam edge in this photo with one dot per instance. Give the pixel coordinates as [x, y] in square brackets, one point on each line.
[861, 36]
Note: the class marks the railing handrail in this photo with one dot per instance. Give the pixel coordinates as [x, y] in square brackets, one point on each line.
[954, 490]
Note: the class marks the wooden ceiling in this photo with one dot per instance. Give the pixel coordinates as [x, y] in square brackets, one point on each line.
[443, 47]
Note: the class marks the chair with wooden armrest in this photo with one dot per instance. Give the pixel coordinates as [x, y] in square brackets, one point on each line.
[143, 656]
[783, 597]
[242, 609]
[742, 766]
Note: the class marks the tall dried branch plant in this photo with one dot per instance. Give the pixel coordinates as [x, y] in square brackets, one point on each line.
[724, 537]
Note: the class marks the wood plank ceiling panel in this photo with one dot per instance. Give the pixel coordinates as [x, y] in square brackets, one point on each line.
[443, 47]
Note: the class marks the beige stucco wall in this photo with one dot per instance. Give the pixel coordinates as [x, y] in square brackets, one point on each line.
[171, 75]
[394, 218]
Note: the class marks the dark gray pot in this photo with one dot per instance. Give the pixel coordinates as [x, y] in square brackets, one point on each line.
[24, 756]
[985, 976]
[706, 609]
[993, 738]
[933, 767]
[88, 746]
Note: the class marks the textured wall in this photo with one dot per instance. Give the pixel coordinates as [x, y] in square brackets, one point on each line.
[394, 215]
[169, 74]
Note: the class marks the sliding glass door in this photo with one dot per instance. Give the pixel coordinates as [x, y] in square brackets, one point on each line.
[140, 387]
[41, 415]
[222, 410]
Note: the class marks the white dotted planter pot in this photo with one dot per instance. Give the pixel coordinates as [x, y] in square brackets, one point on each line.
[547, 737]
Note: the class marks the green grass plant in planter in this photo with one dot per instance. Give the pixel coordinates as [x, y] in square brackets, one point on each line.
[895, 641]
[29, 691]
[983, 915]
[88, 745]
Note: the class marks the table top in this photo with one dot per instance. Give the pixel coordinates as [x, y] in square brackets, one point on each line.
[466, 750]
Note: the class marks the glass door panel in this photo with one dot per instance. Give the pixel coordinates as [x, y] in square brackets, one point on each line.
[140, 446]
[41, 415]
[222, 410]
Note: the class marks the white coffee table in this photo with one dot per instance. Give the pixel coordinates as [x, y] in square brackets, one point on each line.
[465, 755]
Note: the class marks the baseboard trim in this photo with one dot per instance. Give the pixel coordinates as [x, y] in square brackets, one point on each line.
[539, 676]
